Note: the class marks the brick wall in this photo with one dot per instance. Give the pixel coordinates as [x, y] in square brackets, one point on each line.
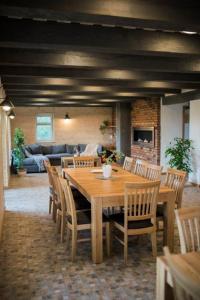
[146, 113]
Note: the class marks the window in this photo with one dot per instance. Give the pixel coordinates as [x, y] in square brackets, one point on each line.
[44, 127]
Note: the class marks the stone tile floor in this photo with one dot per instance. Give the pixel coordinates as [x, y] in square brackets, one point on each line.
[35, 265]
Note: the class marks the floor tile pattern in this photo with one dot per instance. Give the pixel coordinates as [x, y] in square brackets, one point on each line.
[35, 265]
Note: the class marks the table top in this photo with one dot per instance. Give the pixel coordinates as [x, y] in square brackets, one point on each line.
[189, 262]
[93, 187]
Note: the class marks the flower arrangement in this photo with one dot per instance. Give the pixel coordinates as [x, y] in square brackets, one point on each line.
[113, 157]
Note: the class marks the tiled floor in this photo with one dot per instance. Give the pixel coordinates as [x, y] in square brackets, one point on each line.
[35, 265]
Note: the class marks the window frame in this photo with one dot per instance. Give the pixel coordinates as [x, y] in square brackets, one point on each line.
[52, 127]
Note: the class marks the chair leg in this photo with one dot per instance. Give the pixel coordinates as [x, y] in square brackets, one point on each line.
[50, 203]
[62, 230]
[74, 243]
[58, 221]
[108, 240]
[54, 212]
[68, 236]
[125, 248]
[154, 243]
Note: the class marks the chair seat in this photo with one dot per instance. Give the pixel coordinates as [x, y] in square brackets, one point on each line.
[84, 217]
[80, 201]
[119, 218]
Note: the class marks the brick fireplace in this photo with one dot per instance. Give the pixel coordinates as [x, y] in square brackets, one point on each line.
[146, 114]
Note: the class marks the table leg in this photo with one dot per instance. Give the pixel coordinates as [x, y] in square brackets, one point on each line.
[169, 207]
[97, 234]
[160, 280]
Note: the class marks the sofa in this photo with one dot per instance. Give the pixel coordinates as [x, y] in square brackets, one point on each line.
[51, 152]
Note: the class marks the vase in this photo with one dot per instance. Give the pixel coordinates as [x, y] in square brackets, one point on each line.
[107, 171]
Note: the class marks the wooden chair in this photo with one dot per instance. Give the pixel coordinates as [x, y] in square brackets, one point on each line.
[128, 164]
[83, 161]
[79, 220]
[139, 216]
[56, 202]
[184, 287]
[47, 165]
[188, 221]
[61, 214]
[153, 172]
[140, 167]
[175, 179]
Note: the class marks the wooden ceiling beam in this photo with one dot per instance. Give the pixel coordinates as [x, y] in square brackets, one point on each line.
[75, 37]
[21, 57]
[75, 89]
[67, 83]
[171, 15]
[181, 98]
[37, 75]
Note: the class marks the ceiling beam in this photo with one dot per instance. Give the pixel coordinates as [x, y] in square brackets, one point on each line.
[181, 98]
[173, 15]
[44, 75]
[67, 98]
[67, 83]
[19, 57]
[86, 88]
[75, 37]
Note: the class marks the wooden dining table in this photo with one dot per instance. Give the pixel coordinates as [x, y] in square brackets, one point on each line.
[103, 193]
[190, 264]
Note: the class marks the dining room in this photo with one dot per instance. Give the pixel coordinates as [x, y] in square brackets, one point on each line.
[99, 150]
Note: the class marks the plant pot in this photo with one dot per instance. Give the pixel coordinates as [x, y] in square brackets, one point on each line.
[107, 171]
[21, 172]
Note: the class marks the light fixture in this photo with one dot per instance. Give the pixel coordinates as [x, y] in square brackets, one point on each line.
[189, 32]
[67, 117]
[6, 105]
[11, 115]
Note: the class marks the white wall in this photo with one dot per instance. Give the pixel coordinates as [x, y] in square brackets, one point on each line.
[195, 137]
[171, 127]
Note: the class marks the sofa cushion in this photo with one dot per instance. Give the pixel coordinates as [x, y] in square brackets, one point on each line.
[35, 149]
[71, 149]
[58, 155]
[81, 147]
[47, 150]
[56, 149]
[29, 161]
[26, 152]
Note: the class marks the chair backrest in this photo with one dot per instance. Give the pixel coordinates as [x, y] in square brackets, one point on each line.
[59, 192]
[54, 174]
[128, 163]
[140, 167]
[153, 172]
[46, 163]
[188, 221]
[83, 161]
[47, 166]
[140, 200]
[69, 201]
[175, 179]
[185, 287]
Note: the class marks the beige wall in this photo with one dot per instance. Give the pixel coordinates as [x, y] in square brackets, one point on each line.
[83, 127]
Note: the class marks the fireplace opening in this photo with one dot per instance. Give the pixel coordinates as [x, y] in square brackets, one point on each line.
[143, 136]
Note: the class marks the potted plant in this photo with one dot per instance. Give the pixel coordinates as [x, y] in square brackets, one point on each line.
[18, 151]
[104, 125]
[180, 154]
[107, 162]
